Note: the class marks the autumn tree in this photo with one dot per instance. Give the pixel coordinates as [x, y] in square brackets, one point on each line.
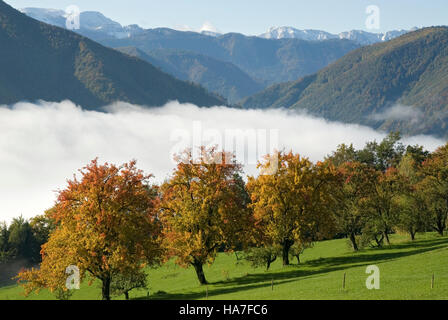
[435, 188]
[290, 203]
[204, 208]
[410, 204]
[357, 181]
[389, 186]
[105, 225]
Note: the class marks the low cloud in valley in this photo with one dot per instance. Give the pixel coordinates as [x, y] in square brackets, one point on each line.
[42, 145]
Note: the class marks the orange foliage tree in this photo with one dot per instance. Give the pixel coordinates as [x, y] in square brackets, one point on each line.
[204, 208]
[106, 225]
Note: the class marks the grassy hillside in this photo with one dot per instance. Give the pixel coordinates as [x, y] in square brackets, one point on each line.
[410, 71]
[406, 270]
[39, 61]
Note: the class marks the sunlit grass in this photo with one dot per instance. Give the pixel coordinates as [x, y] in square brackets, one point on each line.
[406, 270]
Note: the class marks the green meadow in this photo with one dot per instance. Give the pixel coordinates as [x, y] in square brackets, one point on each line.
[406, 272]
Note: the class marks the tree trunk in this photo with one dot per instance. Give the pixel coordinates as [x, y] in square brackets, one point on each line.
[298, 258]
[269, 261]
[199, 272]
[353, 240]
[106, 288]
[386, 235]
[440, 227]
[126, 295]
[379, 241]
[285, 251]
[412, 233]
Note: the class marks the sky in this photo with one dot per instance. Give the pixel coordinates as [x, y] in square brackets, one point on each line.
[253, 17]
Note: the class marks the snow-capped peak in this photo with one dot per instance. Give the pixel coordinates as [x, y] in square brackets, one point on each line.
[362, 37]
[293, 33]
[89, 21]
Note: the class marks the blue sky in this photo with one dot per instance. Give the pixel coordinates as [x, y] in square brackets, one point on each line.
[256, 16]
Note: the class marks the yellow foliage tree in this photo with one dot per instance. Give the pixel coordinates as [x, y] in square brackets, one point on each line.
[291, 203]
[204, 208]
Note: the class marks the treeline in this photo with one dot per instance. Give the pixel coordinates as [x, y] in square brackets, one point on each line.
[22, 239]
[112, 222]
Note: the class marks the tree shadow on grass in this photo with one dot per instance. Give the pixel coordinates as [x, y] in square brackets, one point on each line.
[321, 266]
[212, 291]
[378, 255]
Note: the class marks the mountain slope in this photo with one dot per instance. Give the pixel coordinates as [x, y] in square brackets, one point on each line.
[223, 78]
[39, 61]
[264, 60]
[398, 85]
[216, 58]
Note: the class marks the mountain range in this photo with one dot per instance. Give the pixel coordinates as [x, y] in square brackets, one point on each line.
[358, 36]
[40, 61]
[400, 85]
[392, 81]
[231, 65]
[96, 22]
[262, 62]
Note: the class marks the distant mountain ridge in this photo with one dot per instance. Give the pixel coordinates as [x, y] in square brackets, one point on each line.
[232, 65]
[92, 23]
[96, 22]
[359, 36]
[264, 61]
[223, 78]
[400, 85]
[44, 62]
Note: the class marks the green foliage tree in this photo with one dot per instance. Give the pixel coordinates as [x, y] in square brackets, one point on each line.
[262, 256]
[383, 155]
[22, 241]
[299, 248]
[382, 203]
[435, 188]
[357, 183]
[122, 284]
[5, 250]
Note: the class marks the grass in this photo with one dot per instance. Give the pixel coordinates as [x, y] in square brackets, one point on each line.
[406, 269]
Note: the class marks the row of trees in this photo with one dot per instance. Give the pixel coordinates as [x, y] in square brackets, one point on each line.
[387, 188]
[113, 222]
